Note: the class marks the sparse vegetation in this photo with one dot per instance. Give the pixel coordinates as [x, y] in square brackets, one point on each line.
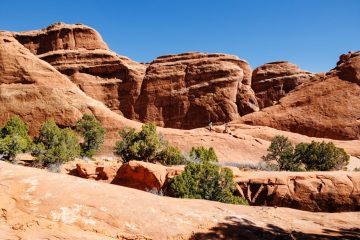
[314, 156]
[206, 155]
[205, 180]
[93, 134]
[55, 145]
[146, 145]
[14, 138]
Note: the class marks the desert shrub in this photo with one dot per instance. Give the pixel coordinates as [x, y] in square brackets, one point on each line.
[92, 132]
[204, 154]
[55, 145]
[321, 156]
[204, 180]
[146, 145]
[314, 156]
[171, 156]
[14, 138]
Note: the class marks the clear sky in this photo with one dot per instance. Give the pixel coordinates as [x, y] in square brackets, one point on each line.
[309, 33]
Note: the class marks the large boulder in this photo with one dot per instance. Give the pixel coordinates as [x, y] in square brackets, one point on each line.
[188, 90]
[324, 107]
[80, 53]
[313, 191]
[145, 176]
[274, 80]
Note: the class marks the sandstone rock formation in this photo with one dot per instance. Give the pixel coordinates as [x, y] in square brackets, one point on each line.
[80, 53]
[36, 204]
[218, 84]
[312, 191]
[324, 107]
[188, 90]
[36, 91]
[274, 80]
[145, 176]
[348, 67]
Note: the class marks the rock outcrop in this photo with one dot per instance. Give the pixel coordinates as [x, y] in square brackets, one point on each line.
[36, 204]
[348, 67]
[145, 176]
[176, 88]
[36, 91]
[312, 191]
[274, 80]
[80, 53]
[325, 107]
[188, 90]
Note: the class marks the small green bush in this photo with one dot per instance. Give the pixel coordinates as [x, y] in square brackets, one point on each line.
[171, 156]
[321, 156]
[14, 138]
[204, 180]
[55, 145]
[146, 145]
[314, 156]
[204, 154]
[92, 132]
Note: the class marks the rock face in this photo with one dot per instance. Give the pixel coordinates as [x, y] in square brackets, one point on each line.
[313, 191]
[36, 91]
[348, 67]
[189, 90]
[80, 53]
[145, 176]
[176, 87]
[36, 204]
[324, 107]
[274, 80]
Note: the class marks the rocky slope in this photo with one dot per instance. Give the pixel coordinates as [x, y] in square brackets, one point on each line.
[272, 81]
[36, 204]
[36, 91]
[80, 53]
[189, 90]
[325, 107]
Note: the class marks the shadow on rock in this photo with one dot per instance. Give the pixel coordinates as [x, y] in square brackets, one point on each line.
[236, 228]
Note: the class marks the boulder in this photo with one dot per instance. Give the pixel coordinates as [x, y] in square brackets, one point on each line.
[188, 90]
[145, 176]
[313, 191]
[274, 80]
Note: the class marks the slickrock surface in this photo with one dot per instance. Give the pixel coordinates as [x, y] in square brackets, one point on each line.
[322, 108]
[188, 90]
[36, 204]
[310, 191]
[79, 52]
[274, 80]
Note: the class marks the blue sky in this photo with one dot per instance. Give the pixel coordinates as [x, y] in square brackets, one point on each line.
[309, 33]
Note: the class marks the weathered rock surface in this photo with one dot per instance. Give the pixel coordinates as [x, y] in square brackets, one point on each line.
[274, 80]
[188, 90]
[145, 176]
[324, 107]
[36, 204]
[79, 52]
[36, 91]
[310, 191]
[348, 67]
